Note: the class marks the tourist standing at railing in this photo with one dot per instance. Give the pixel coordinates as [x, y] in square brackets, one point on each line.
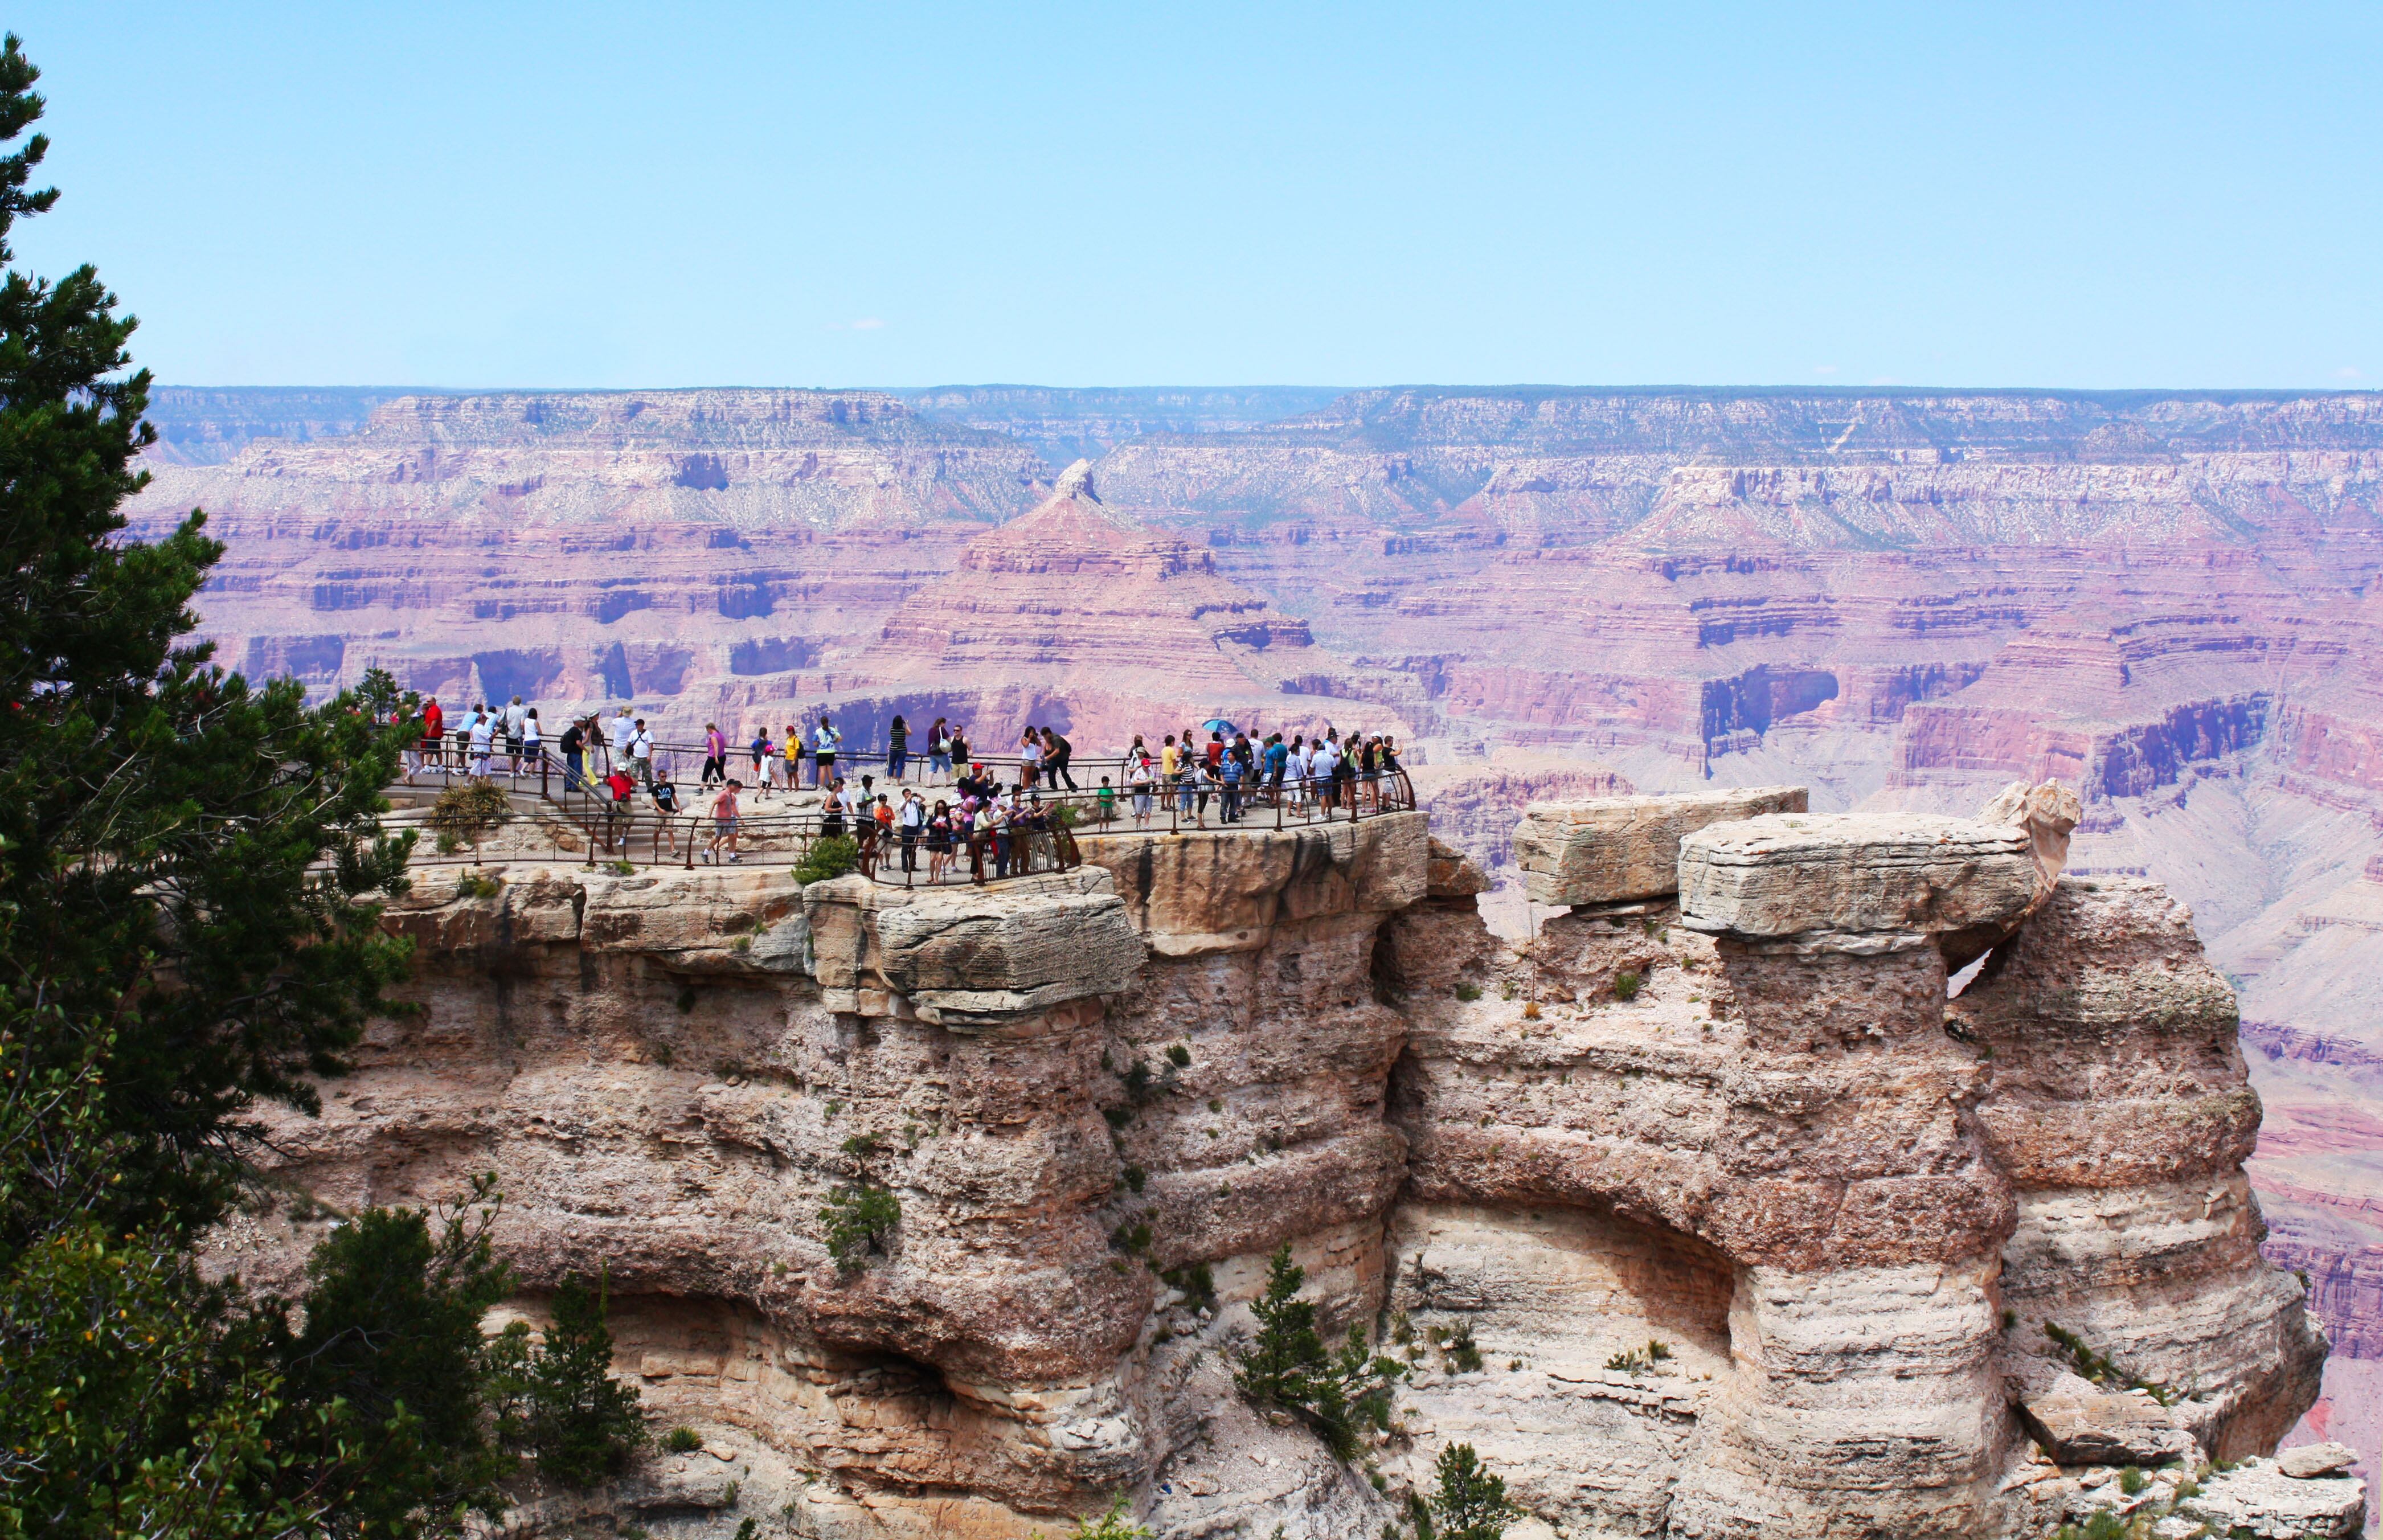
[574, 749]
[1030, 758]
[897, 750]
[913, 821]
[612, 738]
[760, 750]
[533, 741]
[824, 745]
[715, 755]
[724, 822]
[939, 751]
[512, 716]
[434, 732]
[641, 753]
[1137, 780]
[939, 840]
[1322, 771]
[959, 747]
[1229, 771]
[1056, 753]
[483, 735]
[790, 750]
[1277, 764]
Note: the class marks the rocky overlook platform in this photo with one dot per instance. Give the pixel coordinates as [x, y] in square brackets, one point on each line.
[1923, 1260]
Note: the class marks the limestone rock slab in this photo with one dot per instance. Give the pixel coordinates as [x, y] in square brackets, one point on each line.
[2257, 1498]
[1610, 849]
[2311, 1460]
[2079, 1423]
[1853, 874]
[995, 952]
[1451, 873]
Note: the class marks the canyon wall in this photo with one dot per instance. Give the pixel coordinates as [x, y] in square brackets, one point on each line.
[1699, 1213]
[1902, 598]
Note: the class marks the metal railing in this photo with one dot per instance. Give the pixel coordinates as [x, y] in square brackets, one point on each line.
[1041, 836]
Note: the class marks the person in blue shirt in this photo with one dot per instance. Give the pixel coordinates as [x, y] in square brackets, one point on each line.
[1278, 758]
[1228, 771]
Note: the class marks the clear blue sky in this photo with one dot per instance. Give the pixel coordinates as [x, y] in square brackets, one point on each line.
[913, 193]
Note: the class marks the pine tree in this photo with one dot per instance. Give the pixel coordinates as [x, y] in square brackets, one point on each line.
[1287, 1366]
[1279, 1366]
[583, 1424]
[1471, 1503]
[189, 871]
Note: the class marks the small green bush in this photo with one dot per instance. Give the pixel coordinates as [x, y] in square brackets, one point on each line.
[1195, 1281]
[1468, 991]
[837, 855]
[1135, 1176]
[477, 887]
[1625, 986]
[1115, 1524]
[682, 1440]
[469, 809]
[449, 842]
[1463, 1353]
[1179, 1056]
[858, 1219]
[2131, 1481]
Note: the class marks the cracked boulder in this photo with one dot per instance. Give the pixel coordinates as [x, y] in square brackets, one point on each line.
[1618, 849]
[1893, 877]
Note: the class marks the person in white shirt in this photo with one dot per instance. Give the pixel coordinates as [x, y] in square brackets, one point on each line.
[616, 739]
[641, 754]
[515, 713]
[483, 733]
[824, 743]
[533, 739]
[910, 822]
[1322, 765]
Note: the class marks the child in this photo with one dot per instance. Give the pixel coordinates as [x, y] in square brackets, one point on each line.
[1106, 797]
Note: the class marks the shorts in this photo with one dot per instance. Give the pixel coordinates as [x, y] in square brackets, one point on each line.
[724, 826]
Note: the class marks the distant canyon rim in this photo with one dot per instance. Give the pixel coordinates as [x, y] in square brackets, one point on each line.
[1900, 598]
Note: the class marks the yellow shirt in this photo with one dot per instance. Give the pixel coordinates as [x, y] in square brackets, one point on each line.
[1166, 759]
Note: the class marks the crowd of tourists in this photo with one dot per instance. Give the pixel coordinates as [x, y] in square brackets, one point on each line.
[993, 825]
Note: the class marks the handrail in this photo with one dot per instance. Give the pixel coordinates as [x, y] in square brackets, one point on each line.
[1049, 843]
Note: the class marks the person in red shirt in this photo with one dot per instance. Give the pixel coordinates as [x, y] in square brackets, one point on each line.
[434, 731]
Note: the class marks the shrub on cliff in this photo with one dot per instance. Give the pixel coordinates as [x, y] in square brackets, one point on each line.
[1287, 1366]
[859, 1219]
[470, 810]
[1470, 1503]
[559, 1400]
[837, 855]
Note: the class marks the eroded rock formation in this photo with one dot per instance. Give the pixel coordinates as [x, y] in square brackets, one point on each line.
[1704, 1213]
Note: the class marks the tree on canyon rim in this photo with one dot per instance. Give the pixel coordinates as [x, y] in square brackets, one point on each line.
[188, 871]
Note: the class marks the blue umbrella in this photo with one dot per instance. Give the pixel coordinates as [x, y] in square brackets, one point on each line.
[1218, 725]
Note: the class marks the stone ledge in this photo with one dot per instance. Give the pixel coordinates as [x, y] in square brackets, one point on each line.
[1610, 850]
[1783, 876]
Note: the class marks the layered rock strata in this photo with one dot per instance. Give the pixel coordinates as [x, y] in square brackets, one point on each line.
[1702, 1219]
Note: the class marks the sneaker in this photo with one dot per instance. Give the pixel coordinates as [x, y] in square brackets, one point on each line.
[736, 859]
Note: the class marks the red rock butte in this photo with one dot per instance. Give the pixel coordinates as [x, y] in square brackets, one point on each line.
[1130, 627]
